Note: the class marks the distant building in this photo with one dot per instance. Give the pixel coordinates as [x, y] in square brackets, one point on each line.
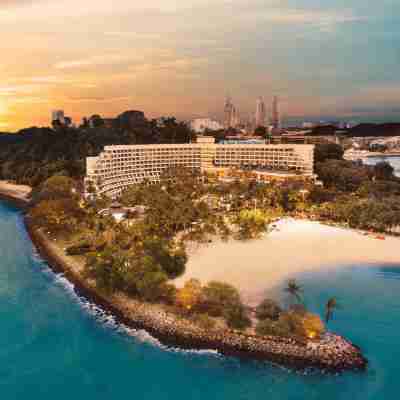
[231, 115]
[57, 116]
[261, 113]
[275, 118]
[200, 125]
[308, 125]
[59, 119]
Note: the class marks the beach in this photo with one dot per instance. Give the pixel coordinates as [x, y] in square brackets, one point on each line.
[257, 267]
[14, 192]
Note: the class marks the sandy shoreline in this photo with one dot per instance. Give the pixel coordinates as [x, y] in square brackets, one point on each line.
[295, 246]
[17, 194]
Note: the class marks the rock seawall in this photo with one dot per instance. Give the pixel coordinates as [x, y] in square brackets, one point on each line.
[333, 353]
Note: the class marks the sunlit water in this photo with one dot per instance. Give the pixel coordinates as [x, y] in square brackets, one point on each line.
[54, 345]
[393, 161]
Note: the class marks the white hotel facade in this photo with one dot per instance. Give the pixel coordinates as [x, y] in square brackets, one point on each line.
[120, 166]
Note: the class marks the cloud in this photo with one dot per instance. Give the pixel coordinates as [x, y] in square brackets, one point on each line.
[135, 35]
[15, 3]
[11, 90]
[97, 99]
[93, 61]
[299, 17]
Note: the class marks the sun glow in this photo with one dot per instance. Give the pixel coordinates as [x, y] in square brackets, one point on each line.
[3, 110]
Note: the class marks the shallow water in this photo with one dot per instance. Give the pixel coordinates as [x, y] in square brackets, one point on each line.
[56, 345]
[393, 161]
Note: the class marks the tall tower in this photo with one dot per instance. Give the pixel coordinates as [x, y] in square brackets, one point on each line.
[261, 112]
[276, 120]
[231, 115]
[235, 120]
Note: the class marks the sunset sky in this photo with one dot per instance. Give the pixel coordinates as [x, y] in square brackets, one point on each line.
[174, 57]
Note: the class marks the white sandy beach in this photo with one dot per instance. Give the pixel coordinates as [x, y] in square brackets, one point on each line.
[257, 266]
[18, 191]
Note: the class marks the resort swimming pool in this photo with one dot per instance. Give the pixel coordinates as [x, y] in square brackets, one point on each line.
[54, 344]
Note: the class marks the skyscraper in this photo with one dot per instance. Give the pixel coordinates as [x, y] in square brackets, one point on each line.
[58, 117]
[261, 113]
[231, 115]
[276, 120]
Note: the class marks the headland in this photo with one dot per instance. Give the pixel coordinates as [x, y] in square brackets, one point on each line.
[334, 353]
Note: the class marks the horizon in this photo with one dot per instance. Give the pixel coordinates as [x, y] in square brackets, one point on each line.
[336, 62]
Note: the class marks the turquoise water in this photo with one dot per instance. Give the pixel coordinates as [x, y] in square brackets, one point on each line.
[53, 345]
[393, 161]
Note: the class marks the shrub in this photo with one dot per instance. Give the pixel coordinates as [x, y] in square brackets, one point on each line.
[281, 327]
[172, 262]
[268, 309]
[219, 298]
[78, 249]
[190, 296]
[237, 317]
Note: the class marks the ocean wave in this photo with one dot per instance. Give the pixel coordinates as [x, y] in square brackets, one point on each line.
[109, 321]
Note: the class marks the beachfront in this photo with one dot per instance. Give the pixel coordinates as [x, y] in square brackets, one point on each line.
[294, 246]
[19, 192]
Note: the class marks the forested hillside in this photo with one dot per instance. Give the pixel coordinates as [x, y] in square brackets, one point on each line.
[32, 155]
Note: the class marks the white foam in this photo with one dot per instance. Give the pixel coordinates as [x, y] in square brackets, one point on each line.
[108, 321]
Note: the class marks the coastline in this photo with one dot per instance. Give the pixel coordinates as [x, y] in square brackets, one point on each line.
[174, 331]
[17, 195]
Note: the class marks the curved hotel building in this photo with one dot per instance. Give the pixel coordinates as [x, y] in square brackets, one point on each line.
[120, 166]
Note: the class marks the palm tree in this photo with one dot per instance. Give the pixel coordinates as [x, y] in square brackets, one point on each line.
[330, 306]
[294, 290]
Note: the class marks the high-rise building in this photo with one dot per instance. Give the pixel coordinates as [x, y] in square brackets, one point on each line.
[276, 119]
[231, 115]
[57, 116]
[235, 122]
[261, 113]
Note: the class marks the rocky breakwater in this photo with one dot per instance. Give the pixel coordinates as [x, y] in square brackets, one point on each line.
[332, 353]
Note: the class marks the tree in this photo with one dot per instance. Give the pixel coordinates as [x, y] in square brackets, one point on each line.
[190, 296]
[342, 175]
[268, 309]
[219, 298]
[260, 131]
[57, 216]
[237, 317]
[294, 290]
[146, 279]
[328, 151]
[56, 187]
[108, 268]
[383, 171]
[96, 121]
[331, 305]
[172, 262]
[290, 323]
[251, 223]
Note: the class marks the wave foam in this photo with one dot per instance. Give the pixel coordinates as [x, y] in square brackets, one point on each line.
[108, 321]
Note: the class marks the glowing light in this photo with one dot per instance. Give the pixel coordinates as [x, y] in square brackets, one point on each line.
[3, 107]
[312, 335]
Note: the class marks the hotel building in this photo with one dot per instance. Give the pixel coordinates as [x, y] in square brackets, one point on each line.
[120, 166]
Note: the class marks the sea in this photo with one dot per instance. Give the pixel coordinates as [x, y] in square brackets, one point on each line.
[394, 161]
[57, 345]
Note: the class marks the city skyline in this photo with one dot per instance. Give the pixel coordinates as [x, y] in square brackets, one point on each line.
[325, 62]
